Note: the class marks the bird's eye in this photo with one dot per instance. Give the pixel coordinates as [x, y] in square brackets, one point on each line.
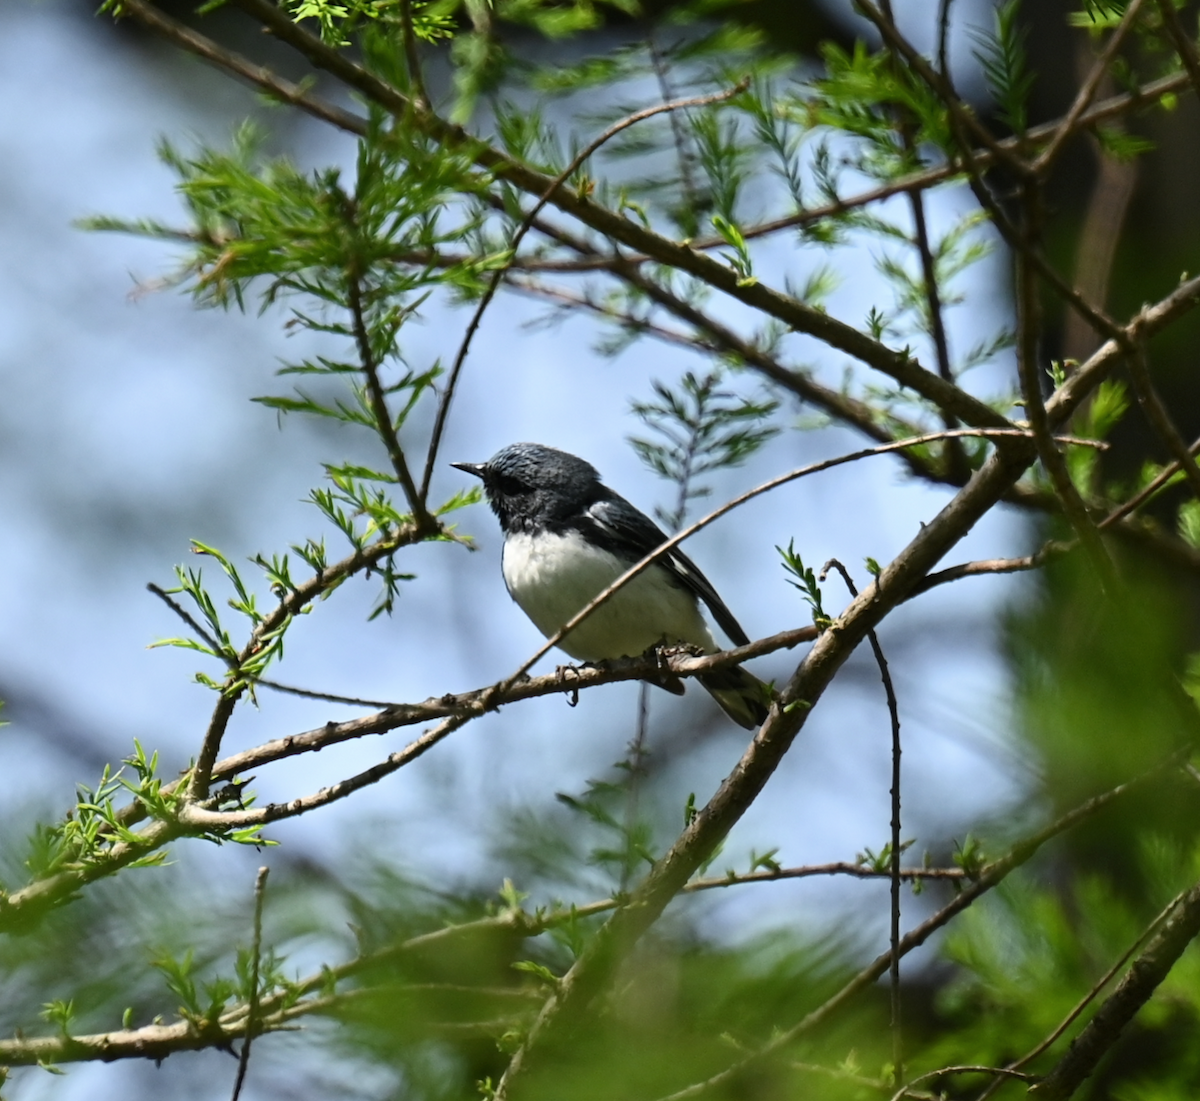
[510, 486]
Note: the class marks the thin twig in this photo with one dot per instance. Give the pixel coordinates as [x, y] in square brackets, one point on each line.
[423, 257]
[894, 869]
[962, 115]
[686, 177]
[413, 58]
[956, 461]
[252, 1018]
[943, 39]
[187, 618]
[201, 819]
[1142, 496]
[327, 697]
[378, 400]
[999, 1072]
[937, 324]
[1146, 322]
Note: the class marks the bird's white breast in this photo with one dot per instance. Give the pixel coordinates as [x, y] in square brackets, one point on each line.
[551, 577]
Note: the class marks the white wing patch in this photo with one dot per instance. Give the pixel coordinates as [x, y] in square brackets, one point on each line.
[551, 577]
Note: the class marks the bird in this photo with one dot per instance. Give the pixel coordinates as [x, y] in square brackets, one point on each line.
[567, 537]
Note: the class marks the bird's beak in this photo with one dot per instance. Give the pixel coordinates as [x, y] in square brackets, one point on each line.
[471, 468]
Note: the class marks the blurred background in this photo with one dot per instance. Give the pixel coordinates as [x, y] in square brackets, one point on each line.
[126, 429]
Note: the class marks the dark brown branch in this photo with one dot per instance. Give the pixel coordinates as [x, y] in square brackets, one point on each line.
[1143, 978]
[720, 339]
[1093, 992]
[480, 701]
[1148, 321]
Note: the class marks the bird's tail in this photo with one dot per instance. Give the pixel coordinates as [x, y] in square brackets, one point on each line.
[740, 694]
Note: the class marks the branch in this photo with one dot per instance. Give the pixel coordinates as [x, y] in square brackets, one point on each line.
[20, 907]
[289, 605]
[718, 338]
[889, 690]
[992, 566]
[1148, 321]
[1143, 978]
[383, 417]
[412, 57]
[1142, 496]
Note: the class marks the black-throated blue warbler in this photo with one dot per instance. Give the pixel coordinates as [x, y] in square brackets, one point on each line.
[567, 537]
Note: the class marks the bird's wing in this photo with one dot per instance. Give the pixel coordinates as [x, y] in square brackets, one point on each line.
[617, 526]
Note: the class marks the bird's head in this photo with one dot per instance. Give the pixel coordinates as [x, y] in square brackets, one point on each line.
[529, 485]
